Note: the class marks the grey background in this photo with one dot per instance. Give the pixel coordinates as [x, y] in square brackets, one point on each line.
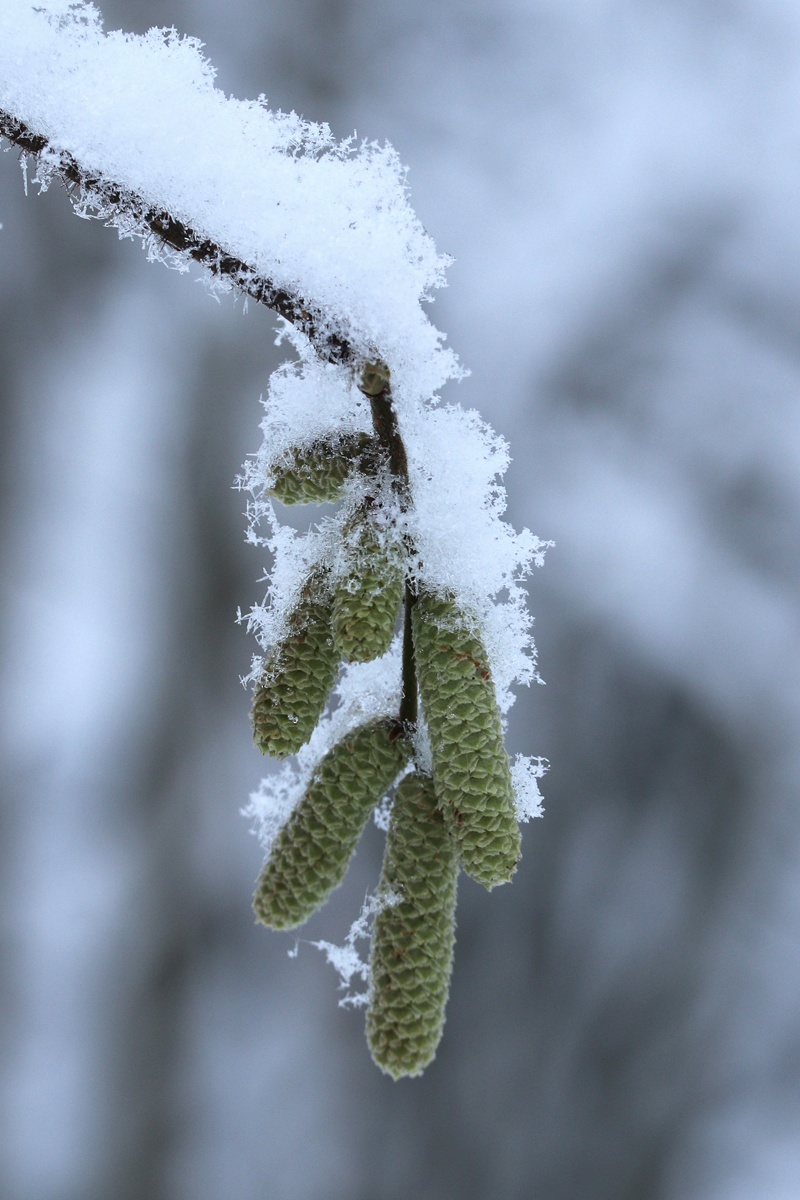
[619, 184]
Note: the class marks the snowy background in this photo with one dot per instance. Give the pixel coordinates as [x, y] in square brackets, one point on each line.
[619, 184]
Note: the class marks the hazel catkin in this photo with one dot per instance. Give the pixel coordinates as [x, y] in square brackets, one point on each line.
[368, 590]
[470, 765]
[412, 940]
[316, 473]
[312, 850]
[298, 674]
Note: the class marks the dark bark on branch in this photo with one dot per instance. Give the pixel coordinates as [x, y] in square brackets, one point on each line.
[408, 700]
[384, 420]
[118, 206]
[127, 210]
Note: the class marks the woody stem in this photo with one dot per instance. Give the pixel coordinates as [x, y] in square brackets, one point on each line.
[384, 420]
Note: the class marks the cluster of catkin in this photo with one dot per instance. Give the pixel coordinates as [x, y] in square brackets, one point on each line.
[462, 813]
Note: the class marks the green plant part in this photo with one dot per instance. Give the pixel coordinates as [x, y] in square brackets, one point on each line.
[311, 853]
[470, 764]
[298, 674]
[412, 941]
[368, 592]
[374, 378]
[316, 473]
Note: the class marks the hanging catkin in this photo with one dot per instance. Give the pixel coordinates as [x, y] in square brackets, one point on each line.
[368, 590]
[412, 941]
[315, 474]
[298, 674]
[311, 852]
[470, 764]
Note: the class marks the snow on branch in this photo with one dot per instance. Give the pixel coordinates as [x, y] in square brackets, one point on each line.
[319, 230]
[130, 213]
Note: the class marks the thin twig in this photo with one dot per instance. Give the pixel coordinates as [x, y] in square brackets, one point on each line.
[408, 700]
[384, 420]
[116, 204]
[123, 207]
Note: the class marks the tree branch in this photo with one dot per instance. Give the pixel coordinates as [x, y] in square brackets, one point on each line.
[384, 420]
[124, 208]
[408, 698]
[114, 203]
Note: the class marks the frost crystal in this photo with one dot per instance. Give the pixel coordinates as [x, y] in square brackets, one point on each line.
[346, 959]
[525, 775]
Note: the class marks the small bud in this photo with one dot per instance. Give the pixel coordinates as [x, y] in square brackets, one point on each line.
[374, 378]
[368, 592]
[311, 853]
[412, 941]
[298, 674]
[470, 764]
[315, 474]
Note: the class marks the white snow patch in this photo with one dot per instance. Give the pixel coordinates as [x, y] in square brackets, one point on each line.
[525, 775]
[306, 401]
[327, 221]
[346, 959]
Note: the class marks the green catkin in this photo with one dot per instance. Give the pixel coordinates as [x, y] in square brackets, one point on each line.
[298, 675]
[315, 474]
[367, 593]
[412, 941]
[312, 850]
[470, 764]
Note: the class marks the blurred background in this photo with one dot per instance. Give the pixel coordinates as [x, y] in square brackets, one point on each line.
[619, 184]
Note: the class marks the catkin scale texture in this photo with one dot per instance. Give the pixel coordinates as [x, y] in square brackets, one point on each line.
[470, 764]
[315, 474]
[298, 675]
[412, 941]
[367, 593]
[311, 852]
